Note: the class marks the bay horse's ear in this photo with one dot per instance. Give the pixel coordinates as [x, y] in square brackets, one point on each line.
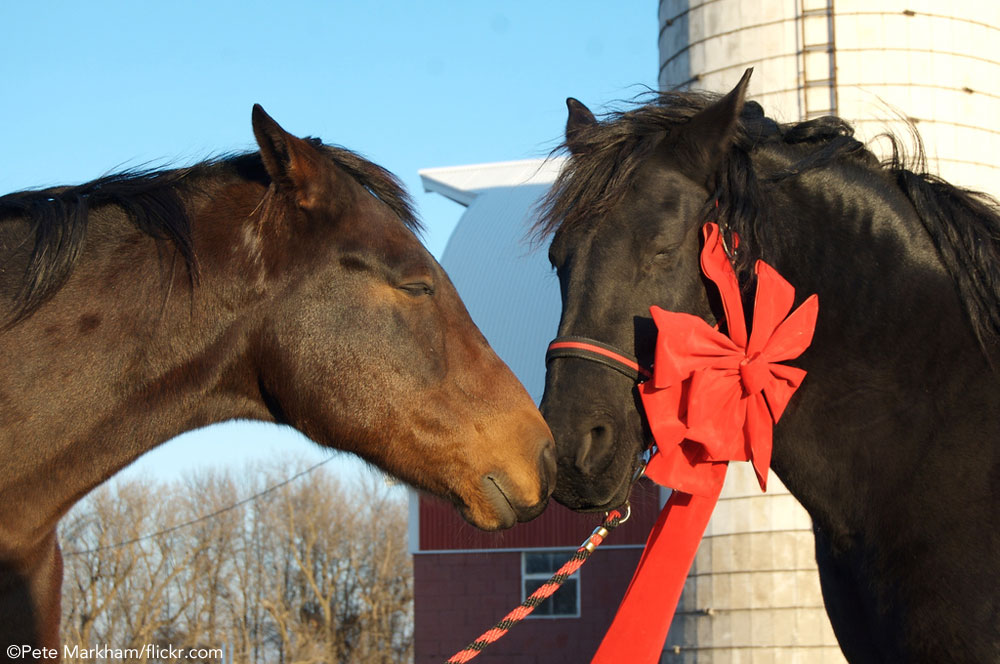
[292, 163]
[708, 135]
[579, 118]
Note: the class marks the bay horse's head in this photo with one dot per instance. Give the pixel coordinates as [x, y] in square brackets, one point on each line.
[364, 345]
[625, 216]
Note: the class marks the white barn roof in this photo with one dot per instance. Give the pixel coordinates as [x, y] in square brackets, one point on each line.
[506, 282]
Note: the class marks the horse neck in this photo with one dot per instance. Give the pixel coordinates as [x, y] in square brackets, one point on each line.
[127, 354]
[893, 345]
[847, 233]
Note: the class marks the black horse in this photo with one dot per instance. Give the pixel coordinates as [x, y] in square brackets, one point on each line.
[891, 442]
[285, 286]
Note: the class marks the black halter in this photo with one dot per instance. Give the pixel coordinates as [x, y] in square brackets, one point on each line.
[589, 349]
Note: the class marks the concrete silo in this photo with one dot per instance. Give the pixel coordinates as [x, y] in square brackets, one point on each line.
[753, 592]
[872, 62]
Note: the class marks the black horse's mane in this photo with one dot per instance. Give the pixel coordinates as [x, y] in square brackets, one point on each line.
[153, 199]
[963, 224]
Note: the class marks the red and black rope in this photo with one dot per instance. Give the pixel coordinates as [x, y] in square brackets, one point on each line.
[613, 519]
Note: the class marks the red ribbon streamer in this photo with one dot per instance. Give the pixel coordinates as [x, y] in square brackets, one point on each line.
[712, 399]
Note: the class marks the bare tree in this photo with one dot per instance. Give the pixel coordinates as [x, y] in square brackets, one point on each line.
[311, 571]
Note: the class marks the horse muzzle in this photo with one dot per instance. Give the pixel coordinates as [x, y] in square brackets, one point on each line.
[503, 500]
[589, 414]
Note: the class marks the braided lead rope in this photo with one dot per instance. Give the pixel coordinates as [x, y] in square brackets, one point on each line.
[612, 520]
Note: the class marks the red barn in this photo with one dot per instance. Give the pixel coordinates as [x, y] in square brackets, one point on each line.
[465, 580]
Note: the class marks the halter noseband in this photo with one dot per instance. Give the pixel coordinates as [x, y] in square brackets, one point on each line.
[590, 349]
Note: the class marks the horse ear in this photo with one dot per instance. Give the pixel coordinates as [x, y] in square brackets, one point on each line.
[709, 133]
[292, 163]
[579, 118]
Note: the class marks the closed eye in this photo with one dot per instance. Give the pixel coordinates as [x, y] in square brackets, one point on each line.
[665, 252]
[418, 288]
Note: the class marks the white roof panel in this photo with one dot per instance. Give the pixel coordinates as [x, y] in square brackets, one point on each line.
[462, 183]
[506, 282]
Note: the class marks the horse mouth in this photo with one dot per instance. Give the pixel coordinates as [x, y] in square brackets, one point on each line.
[494, 510]
[587, 507]
[502, 507]
[580, 493]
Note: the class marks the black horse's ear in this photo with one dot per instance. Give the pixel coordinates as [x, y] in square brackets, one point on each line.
[579, 118]
[709, 134]
[292, 163]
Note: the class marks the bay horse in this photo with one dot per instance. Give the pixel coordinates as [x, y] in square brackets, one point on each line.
[285, 285]
[891, 442]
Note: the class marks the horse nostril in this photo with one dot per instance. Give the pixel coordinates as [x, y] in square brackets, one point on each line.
[595, 446]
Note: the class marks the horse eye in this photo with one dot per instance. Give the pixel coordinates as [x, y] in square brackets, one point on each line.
[664, 251]
[418, 288]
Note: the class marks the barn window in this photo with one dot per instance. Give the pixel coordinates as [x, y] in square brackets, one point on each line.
[536, 568]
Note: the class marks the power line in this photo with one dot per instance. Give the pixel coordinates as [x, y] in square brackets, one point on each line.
[204, 517]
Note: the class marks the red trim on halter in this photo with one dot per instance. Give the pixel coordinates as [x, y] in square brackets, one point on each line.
[611, 355]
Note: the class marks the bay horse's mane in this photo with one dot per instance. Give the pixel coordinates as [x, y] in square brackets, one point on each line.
[963, 224]
[153, 199]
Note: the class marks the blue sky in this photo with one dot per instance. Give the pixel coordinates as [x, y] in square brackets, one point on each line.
[91, 87]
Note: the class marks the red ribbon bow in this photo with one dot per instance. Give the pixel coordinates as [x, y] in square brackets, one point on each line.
[712, 399]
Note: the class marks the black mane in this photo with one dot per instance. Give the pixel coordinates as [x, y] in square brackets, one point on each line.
[964, 225]
[154, 201]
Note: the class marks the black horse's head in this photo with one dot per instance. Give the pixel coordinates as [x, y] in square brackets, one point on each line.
[625, 216]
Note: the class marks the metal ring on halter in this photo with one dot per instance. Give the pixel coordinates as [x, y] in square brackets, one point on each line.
[628, 512]
[725, 247]
[639, 472]
[644, 458]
